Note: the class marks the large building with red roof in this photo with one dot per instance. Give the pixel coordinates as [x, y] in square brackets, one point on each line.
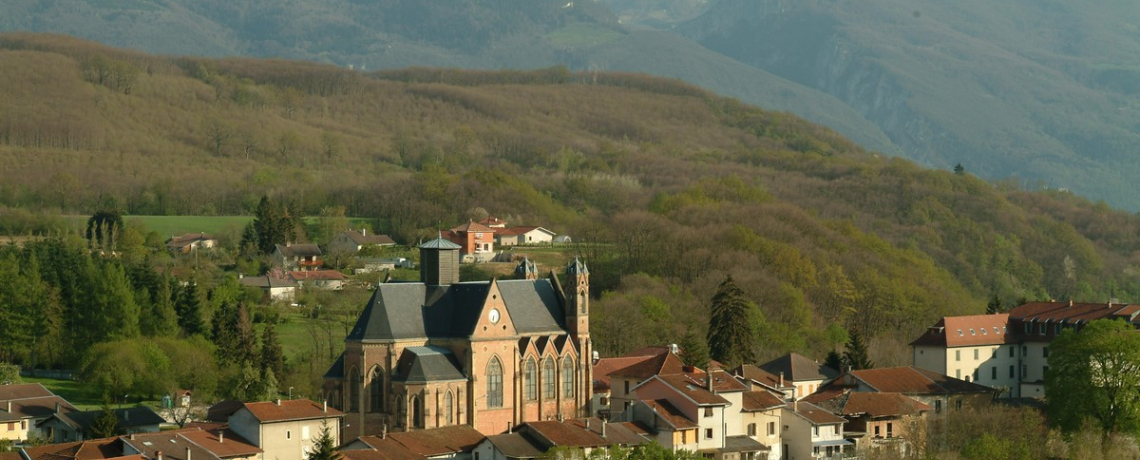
[1008, 351]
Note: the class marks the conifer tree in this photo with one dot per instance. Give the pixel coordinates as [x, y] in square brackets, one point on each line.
[856, 356]
[324, 447]
[994, 306]
[694, 350]
[834, 360]
[189, 309]
[732, 331]
[106, 424]
[272, 356]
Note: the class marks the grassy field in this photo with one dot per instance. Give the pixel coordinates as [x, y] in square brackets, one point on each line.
[73, 391]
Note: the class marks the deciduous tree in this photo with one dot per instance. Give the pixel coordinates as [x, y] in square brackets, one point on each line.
[1094, 375]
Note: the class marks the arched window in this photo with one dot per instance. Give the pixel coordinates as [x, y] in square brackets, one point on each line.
[549, 384]
[448, 408]
[353, 390]
[417, 412]
[376, 393]
[582, 301]
[531, 380]
[567, 377]
[495, 383]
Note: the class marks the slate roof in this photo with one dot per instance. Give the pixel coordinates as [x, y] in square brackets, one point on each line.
[362, 239]
[798, 368]
[440, 243]
[967, 331]
[415, 310]
[290, 409]
[299, 250]
[128, 418]
[336, 371]
[515, 445]
[428, 364]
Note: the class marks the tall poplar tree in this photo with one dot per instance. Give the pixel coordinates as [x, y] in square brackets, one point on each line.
[732, 332]
[272, 356]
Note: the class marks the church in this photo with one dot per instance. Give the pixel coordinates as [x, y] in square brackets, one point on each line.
[488, 354]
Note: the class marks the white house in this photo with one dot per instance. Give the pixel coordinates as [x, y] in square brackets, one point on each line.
[285, 430]
[810, 432]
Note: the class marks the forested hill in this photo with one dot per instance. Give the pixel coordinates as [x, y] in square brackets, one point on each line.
[667, 188]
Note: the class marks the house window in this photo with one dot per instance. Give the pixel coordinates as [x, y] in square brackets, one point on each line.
[626, 386]
[752, 429]
[958, 404]
[993, 373]
[708, 433]
[1012, 371]
[305, 433]
[1024, 371]
[479, 235]
[890, 430]
[815, 431]
[448, 408]
[567, 377]
[23, 424]
[876, 431]
[1057, 329]
[549, 384]
[975, 353]
[11, 426]
[288, 434]
[957, 373]
[531, 380]
[771, 428]
[708, 412]
[1024, 350]
[1045, 352]
[957, 355]
[1012, 351]
[937, 406]
[972, 331]
[685, 437]
[1044, 370]
[1042, 327]
[495, 383]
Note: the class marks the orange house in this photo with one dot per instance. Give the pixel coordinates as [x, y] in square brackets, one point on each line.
[473, 238]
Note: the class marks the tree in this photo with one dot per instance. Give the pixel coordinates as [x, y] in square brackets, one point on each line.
[732, 331]
[106, 424]
[694, 351]
[994, 306]
[1094, 376]
[272, 356]
[856, 356]
[103, 228]
[959, 169]
[834, 360]
[9, 373]
[324, 446]
[189, 309]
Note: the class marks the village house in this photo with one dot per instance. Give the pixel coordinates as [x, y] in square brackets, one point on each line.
[524, 235]
[804, 373]
[938, 391]
[296, 257]
[811, 432]
[319, 279]
[1008, 351]
[24, 406]
[476, 241]
[190, 242]
[874, 420]
[494, 222]
[275, 287]
[352, 241]
[758, 379]
[191, 443]
[646, 363]
[585, 435]
[285, 430]
[487, 354]
[450, 442]
[76, 425]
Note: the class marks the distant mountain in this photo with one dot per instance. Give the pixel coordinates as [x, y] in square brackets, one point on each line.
[1038, 89]
[386, 34]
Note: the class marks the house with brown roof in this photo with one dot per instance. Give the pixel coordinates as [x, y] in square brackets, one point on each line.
[874, 420]
[804, 373]
[494, 222]
[603, 384]
[529, 235]
[1008, 351]
[352, 241]
[811, 432]
[190, 242]
[285, 430]
[941, 392]
[653, 361]
[586, 435]
[448, 442]
[295, 257]
[275, 286]
[24, 406]
[476, 241]
[758, 379]
[190, 444]
[319, 279]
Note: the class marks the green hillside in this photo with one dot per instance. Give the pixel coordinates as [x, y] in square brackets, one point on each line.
[665, 187]
[1038, 90]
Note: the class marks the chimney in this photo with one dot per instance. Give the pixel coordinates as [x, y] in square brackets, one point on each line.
[603, 428]
[9, 410]
[508, 427]
[1070, 302]
[326, 406]
[56, 407]
[384, 431]
[278, 401]
[363, 232]
[188, 454]
[587, 423]
[158, 455]
[781, 379]
[221, 436]
[132, 436]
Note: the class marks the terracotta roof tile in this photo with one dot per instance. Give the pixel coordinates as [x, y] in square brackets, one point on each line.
[761, 376]
[816, 414]
[967, 331]
[566, 434]
[473, 227]
[603, 367]
[693, 388]
[22, 391]
[666, 363]
[383, 449]
[910, 380]
[439, 441]
[670, 413]
[758, 401]
[291, 409]
[228, 445]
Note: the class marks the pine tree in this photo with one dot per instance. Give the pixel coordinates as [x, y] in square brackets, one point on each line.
[233, 334]
[265, 225]
[324, 447]
[732, 332]
[189, 309]
[245, 338]
[106, 424]
[694, 350]
[994, 306]
[834, 360]
[856, 356]
[272, 356]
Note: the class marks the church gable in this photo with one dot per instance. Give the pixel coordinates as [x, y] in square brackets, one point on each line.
[494, 319]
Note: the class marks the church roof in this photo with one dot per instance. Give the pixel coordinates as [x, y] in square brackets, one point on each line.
[415, 310]
[428, 364]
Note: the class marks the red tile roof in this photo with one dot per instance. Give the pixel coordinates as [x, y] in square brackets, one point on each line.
[666, 363]
[815, 414]
[566, 434]
[93, 449]
[492, 220]
[851, 403]
[761, 376]
[476, 227]
[910, 380]
[221, 442]
[603, 367]
[439, 441]
[759, 401]
[23, 391]
[692, 388]
[382, 449]
[968, 331]
[670, 414]
[292, 409]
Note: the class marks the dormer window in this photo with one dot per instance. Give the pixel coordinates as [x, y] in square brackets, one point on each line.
[1057, 329]
[959, 332]
[1029, 327]
[983, 331]
[1043, 327]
